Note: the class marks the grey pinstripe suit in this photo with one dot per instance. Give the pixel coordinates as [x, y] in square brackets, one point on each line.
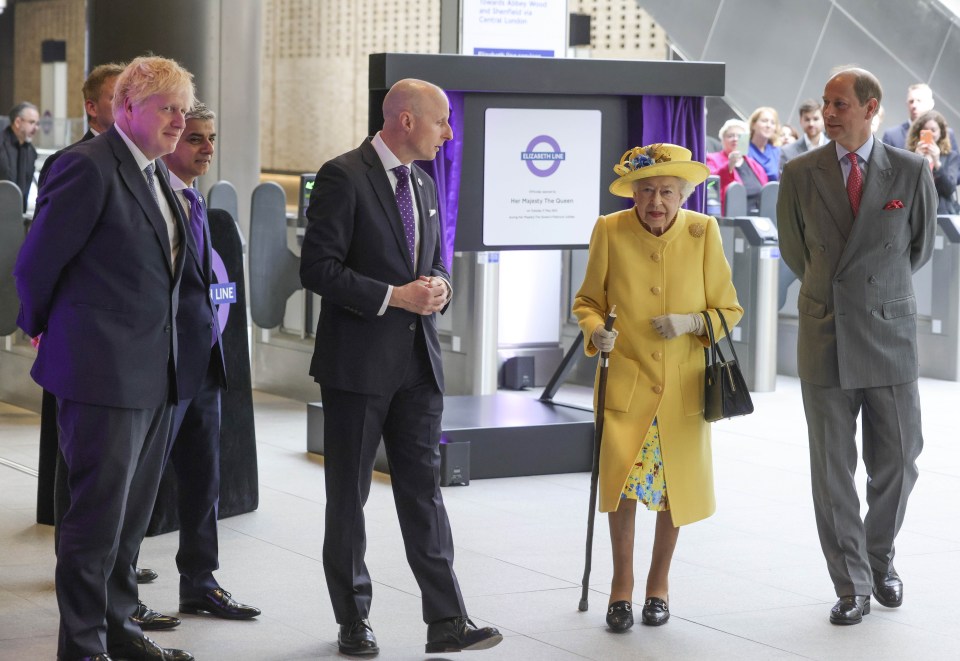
[857, 347]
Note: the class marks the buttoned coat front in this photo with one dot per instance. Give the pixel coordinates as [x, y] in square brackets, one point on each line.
[682, 271]
[857, 307]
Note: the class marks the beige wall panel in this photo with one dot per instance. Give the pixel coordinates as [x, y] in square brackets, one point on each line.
[62, 20]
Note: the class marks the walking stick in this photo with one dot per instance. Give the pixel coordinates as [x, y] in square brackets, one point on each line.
[595, 473]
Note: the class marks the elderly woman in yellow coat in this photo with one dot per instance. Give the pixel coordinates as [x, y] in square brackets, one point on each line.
[662, 266]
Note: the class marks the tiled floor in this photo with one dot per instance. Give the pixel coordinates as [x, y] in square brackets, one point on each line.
[748, 583]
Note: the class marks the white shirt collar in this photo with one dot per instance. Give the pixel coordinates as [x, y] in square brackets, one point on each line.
[387, 157]
[142, 161]
[810, 145]
[863, 153]
[176, 183]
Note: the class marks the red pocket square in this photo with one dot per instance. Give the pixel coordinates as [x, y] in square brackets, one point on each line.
[893, 204]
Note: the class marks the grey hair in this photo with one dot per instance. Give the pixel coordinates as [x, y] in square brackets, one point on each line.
[18, 109]
[200, 111]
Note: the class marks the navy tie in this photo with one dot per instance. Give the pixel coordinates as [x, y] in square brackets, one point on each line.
[198, 216]
[405, 204]
[151, 182]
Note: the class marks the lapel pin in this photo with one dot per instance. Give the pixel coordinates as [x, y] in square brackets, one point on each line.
[419, 182]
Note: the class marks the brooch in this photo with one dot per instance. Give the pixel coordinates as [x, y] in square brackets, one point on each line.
[697, 230]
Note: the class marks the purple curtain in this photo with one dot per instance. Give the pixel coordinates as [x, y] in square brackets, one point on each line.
[676, 119]
[679, 120]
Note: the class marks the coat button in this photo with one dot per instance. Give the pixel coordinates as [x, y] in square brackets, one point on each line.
[166, 329]
[655, 257]
[657, 356]
[872, 279]
[887, 246]
[413, 326]
[658, 389]
[823, 249]
[875, 312]
[655, 290]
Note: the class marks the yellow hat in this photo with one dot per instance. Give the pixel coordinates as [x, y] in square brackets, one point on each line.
[658, 160]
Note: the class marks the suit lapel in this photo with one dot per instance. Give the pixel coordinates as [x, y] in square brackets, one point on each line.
[135, 182]
[829, 181]
[427, 238]
[875, 190]
[385, 194]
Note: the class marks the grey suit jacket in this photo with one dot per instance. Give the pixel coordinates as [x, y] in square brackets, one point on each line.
[791, 151]
[858, 312]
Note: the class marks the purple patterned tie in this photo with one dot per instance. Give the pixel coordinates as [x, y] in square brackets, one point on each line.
[405, 203]
[198, 216]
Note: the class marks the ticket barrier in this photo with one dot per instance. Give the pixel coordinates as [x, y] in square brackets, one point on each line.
[938, 342]
[752, 248]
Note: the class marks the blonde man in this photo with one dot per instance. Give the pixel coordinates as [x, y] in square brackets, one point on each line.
[108, 351]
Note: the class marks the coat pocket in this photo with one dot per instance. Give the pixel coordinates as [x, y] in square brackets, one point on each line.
[810, 307]
[691, 386]
[622, 378]
[900, 307]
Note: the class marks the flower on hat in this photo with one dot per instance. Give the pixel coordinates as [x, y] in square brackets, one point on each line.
[641, 157]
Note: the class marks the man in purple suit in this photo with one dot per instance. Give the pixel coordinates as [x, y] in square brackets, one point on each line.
[98, 277]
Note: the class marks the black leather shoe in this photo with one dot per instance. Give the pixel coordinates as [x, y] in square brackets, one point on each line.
[144, 648]
[455, 634]
[850, 610]
[888, 588]
[218, 603]
[620, 616]
[357, 639]
[146, 575]
[96, 657]
[151, 620]
[655, 612]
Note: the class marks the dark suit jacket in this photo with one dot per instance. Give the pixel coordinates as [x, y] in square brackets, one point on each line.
[51, 159]
[791, 151]
[10, 162]
[857, 308]
[195, 320]
[94, 276]
[897, 136]
[353, 248]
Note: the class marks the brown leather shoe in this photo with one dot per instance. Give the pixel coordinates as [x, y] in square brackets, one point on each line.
[219, 603]
[888, 588]
[151, 620]
[850, 609]
[455, 634]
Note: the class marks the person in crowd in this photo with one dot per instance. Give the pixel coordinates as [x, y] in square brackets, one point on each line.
[18, 156]
[788, 135]
[944, 161]
[201, 374]
[857, 340]
[811, 121]
[765, 140]
[372, 251]
[919, 100]
[656, 443]
[734, 165]
[107, 350]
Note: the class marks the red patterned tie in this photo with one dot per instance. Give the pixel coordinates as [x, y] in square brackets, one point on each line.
[854, 184]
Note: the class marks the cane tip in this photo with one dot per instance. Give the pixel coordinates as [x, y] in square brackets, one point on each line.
[583, 605]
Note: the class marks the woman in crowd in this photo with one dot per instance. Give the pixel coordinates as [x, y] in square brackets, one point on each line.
[765, 140]
[732, 164]
[944, 162]
[662, 266]
[788, 135]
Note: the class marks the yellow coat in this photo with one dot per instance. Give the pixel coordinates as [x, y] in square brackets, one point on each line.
[682, 271]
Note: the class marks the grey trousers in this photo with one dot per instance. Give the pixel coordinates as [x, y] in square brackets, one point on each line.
[892, 441]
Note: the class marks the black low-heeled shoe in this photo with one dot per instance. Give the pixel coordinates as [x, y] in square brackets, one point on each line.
[620, 616]
[655, 612]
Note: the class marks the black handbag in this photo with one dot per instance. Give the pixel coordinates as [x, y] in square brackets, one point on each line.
[725, 393]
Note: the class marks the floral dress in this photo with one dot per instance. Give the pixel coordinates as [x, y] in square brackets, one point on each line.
[646, 482]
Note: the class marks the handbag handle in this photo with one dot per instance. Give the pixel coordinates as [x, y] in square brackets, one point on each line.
[715, 349]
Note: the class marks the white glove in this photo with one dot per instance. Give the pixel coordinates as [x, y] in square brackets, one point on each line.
[603, 339]
[672, 325]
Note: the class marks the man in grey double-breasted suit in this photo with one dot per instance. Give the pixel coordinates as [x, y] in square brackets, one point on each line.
[855, 229]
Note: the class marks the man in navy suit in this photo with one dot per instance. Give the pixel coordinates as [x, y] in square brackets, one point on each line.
[372, 251]
[195, 431]
[98, 278]
[919, 100]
